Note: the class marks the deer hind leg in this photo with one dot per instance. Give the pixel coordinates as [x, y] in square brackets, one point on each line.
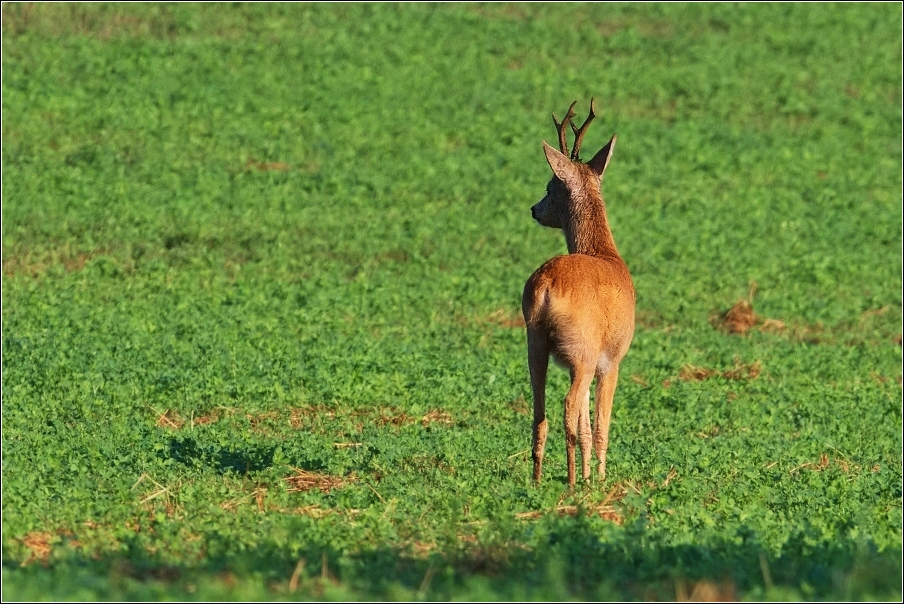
[579, 392]
[584, 435]
[538, 363]
[605, 391]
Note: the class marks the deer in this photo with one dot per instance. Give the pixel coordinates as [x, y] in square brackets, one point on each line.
[578, 308]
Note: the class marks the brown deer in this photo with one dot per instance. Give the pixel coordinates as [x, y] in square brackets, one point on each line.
[578, 307]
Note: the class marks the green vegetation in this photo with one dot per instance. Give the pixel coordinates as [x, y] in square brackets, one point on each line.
[262, 268]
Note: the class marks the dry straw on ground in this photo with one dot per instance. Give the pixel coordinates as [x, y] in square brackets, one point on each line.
[38, 543]
[692, 373]
[504, 318]
[737, 319]
[741, 318]
[303, 480]
[603, 509]
[168, 419]
[606, 512]
[706, 591]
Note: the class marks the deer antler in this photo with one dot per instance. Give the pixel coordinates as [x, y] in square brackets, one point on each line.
[560, 127]
[579, 132]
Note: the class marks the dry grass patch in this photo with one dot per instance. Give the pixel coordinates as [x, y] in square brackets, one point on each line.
[737, 319]
[606, 512]
[396, 417]
[638, 379]
[419, 549]
[263, 423]
[172, 420]
[98, 21]
[425, 464]
[709, 432]
[303, 480]
[436, 416]
[202, 420]
[257, 495]
[504, 318]
[21, 260]
[315, 511]
[390, 416]
[741, 318]
[706, 591]
[301, 415]
[740, 372]
[604, 509]
[261, 166]
[157, 493]
[168, 419]
[692, 373]
[845, 465]
[38, 544]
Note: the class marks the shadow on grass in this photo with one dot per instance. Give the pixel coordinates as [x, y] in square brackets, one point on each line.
[188, 451]
[571, 564]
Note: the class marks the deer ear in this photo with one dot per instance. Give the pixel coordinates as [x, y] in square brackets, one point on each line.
[560, 164]
[601, 159]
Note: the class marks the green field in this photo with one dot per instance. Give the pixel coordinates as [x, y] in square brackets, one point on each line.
[262, 269]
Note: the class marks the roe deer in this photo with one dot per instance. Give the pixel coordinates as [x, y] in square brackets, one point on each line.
[578, 307]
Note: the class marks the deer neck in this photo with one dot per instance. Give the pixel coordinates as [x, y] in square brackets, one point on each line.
[587, 229]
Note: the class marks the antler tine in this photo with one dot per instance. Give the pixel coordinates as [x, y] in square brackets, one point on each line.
[560, 127]
[579, 132]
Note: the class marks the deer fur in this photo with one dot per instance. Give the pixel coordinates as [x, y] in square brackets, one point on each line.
[579, 308]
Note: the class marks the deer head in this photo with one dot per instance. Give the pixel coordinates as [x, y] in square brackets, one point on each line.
[574, 183]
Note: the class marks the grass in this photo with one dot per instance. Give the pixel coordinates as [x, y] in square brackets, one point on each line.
[261, 279]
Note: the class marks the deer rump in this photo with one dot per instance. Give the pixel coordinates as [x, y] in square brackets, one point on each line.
[573, 300]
